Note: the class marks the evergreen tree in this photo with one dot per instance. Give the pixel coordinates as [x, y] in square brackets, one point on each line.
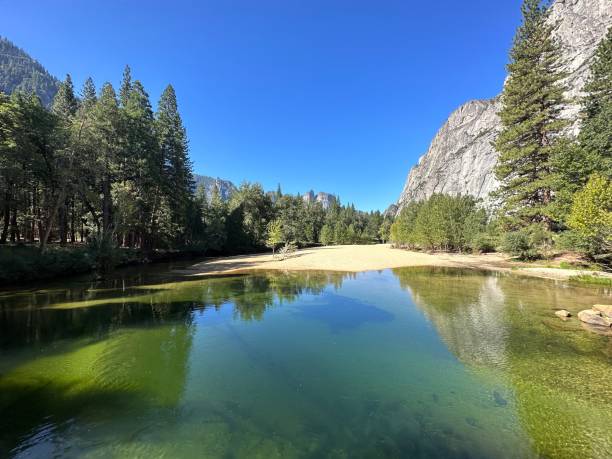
[126, 86]
[531, 122]
[88, 93]
[64, 107]
[140, 165]
[593, 150]
[106, 130]
[65, 102]
[174, 159]
[215, 217]
[595, 139]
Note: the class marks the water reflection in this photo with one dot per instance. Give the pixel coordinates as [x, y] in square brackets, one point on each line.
[304, 364]
[560, 374]
[97, 308]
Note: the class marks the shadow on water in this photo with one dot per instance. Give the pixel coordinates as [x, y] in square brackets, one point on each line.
[114, 350]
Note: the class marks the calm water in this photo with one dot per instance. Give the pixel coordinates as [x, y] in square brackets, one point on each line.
[403, 363]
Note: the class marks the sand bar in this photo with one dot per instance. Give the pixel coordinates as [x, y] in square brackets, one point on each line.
[355, 258]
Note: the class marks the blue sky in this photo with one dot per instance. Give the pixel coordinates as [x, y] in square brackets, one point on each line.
[338, 96]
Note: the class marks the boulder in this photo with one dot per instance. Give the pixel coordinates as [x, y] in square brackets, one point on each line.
[563, 313]
[590, 316]
[604, 309]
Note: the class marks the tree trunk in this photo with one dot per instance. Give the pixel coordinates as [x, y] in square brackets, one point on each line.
[44, 237]
[63, 224]
[14, 230]
[107, 205]
[72, 223]
[7, 217]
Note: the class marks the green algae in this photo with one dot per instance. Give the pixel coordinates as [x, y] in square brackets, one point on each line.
[409, 363]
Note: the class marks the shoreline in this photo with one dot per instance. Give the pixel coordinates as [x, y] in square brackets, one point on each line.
[359, 258]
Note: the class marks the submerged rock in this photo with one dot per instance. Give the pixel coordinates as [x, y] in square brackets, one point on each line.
[604, 309]
[563, 313]
[499, 400]
[593, 317]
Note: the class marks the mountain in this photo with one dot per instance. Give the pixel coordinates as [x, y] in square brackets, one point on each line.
[226, 188]
[461, 158]
[19, 71]
[325, 199]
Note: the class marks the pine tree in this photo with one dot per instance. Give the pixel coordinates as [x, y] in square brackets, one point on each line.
[531, 124]
[88, 93]
[107, 136]
[140, 164]
[592, 152]
[64, 107]
[65, 103]
[126, 86]
[595, 138]
[172, 140]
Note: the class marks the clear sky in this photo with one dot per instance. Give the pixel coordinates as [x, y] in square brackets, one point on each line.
[337, 96]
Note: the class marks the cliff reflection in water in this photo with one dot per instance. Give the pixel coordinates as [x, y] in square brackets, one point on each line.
[505, 324]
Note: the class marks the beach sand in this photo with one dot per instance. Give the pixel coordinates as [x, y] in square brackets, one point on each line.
[355, 258]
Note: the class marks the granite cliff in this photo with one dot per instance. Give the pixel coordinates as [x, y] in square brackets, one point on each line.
[461, 159]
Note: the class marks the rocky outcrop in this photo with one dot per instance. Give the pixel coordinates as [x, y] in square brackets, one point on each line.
[325, 199]
[461, 159]
[226, 188]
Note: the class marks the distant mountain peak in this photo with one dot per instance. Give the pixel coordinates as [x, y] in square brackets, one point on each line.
[226, 188]
[19, 71]
[325, 199]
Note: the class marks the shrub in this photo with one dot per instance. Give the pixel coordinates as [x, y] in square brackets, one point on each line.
[516, 243]
[483, 243]
[528, 243]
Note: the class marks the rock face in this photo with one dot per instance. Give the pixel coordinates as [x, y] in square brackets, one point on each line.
[324, 198]
[460, 159]
[226, 188]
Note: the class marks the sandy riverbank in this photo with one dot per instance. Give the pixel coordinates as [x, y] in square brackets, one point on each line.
[355, 258]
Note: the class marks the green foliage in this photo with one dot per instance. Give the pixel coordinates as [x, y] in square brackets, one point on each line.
[97, 168]
[531, 124]
[442, 222]
[528, 243]
[591, 216]
[575, 162]
[275, 234]
[589, 279]
[595, 137]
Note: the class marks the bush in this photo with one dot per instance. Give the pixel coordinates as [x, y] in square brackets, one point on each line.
[24, 263]
[483, 243]
[528, 243]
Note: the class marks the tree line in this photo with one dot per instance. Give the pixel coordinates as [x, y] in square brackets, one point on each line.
[102, 169]
[253, 219]
[555, 190]
[102, 166]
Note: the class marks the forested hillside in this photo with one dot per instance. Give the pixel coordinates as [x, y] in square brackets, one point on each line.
[18, 71]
